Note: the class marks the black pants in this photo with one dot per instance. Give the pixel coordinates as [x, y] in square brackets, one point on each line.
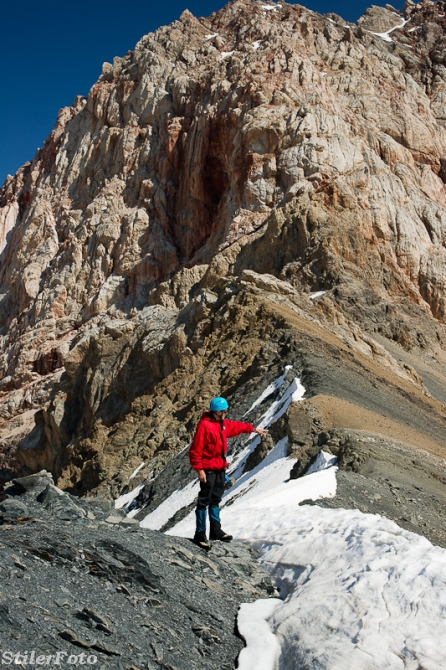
[211, 492]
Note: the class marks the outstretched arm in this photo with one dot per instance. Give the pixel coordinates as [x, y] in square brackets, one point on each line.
[235, 428]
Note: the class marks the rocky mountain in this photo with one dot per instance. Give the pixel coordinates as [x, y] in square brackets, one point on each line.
[260, 188]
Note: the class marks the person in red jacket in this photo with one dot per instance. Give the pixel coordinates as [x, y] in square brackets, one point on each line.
[207, 455]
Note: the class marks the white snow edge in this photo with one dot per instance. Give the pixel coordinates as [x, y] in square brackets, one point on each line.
[262, 646]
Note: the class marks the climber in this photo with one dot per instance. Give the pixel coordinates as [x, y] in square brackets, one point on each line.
[207, 455]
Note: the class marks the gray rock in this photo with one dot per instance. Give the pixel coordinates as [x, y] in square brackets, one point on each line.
[11, 510]
[34, 483]
[126, 598]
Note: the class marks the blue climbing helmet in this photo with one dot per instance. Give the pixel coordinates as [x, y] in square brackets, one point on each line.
[219, 405]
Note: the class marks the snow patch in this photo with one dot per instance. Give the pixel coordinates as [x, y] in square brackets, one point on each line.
[249, 479]
[269, 8]
[136, 471]
[255, 45]
[294, 393]
[225, 54]
[211, 37]
[386, 36]
[237, 464]
[322, 462]
[318, 294]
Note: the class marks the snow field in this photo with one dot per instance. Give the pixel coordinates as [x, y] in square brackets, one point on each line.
[359, 592]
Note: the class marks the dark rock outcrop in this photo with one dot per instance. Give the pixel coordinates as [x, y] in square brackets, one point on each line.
[96, 584]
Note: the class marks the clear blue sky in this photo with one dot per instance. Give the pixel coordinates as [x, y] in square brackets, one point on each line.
[52, 51]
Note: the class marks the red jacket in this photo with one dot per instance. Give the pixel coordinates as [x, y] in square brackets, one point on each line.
[210, 444]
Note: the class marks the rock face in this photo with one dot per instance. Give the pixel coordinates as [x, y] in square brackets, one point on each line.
[162, 245]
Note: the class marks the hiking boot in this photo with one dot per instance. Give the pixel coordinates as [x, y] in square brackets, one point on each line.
[201, 540]
[220, 535]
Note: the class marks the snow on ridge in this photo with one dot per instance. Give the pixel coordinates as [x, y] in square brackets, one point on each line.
[184, 496]
[243, 483]
[269, 8]
[267, 486]
[236, 465]
[360, 593]
[357, 590]
[323, 461]
[276, 385]
[294, 393]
